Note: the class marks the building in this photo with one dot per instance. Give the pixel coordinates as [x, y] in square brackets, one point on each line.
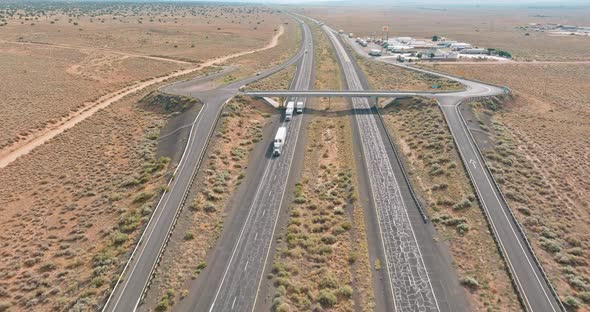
[474, 51]
[460, 46]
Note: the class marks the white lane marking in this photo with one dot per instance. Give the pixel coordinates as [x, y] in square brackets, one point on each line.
[234, 303]
[307, 82]
[246, 266]
[264, 211]
[256, 236]
[242, 233]
[472, 162]
[239, 237]
[140, 241]
[509, 222]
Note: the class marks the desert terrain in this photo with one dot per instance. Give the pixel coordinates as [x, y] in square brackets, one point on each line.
[488, 27]
[72, 207]
[538, 138]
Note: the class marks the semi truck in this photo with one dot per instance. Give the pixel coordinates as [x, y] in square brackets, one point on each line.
[299, 107]
[289, 111]
[279, 141]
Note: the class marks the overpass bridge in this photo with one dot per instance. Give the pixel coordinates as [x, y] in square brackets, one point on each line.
[336, 93]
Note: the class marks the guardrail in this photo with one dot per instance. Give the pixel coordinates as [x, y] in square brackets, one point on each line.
[182, 202]
[518, 225]
[401, 165]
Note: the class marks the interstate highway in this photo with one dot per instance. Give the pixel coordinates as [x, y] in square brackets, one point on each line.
[534, 290]
[408, 278]
[129, 289]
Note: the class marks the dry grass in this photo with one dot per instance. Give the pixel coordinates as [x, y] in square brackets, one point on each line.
[49, 83]
[182, 31]
[486, 27]
[88, 54]
[287, 45]
[70, 209]
[420, 131]
[201, 222]
[322, 257]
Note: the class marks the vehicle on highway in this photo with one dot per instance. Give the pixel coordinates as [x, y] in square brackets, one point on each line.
[299, 107]
[289, 111]
[350, 35]
[258, 73]
[375, 52]
[279, 141]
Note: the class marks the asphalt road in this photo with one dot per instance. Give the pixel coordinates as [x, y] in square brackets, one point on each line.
[534, 290]
[136, 275]
[408, 277]
[238, 287]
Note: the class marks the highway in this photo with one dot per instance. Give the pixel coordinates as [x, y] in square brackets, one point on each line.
[408, 277]
[534, 290]
[138, 271]
[237, 289]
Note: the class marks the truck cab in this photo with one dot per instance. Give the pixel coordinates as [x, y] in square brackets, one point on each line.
[299, 107]
[279, 141]
[289, 111]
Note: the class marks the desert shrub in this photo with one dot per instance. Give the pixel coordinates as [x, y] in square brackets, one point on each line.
[572, 302]
[119, 238]
[209, 208]
[465, 203]
[345, 291]
[162, 305]
[585, 296]
[189, 236]
[327, 298]
[328, 281]
[462, 228]
[551, 246]
[329, 239]
[143, 197]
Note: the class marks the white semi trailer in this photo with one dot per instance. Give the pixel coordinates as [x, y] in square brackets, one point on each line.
[289, 111]
[299, 107]
[279, 141]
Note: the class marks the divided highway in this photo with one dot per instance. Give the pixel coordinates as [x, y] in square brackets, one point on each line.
[238, 287]
[137, 273]
[535, 291]
[410, 284]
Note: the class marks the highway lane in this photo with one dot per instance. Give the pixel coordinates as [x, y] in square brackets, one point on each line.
[239, 286]
[408, 277]
[534, 290]
[129, 289]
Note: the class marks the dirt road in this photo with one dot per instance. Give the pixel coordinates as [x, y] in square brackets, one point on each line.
[13, 151]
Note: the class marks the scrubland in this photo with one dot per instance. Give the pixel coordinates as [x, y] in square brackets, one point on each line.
[537, 144]
[201, 221]
[436, 171]
[488, 27]
[71, 208]
[322, 256]
[61, 58]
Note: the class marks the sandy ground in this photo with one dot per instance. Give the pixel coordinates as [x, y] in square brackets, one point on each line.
[12, 152]
[71, 209]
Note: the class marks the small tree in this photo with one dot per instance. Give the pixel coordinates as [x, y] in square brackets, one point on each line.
[435, 38]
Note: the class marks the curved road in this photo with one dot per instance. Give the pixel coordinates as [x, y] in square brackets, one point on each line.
[138, 271]
[534, 290]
